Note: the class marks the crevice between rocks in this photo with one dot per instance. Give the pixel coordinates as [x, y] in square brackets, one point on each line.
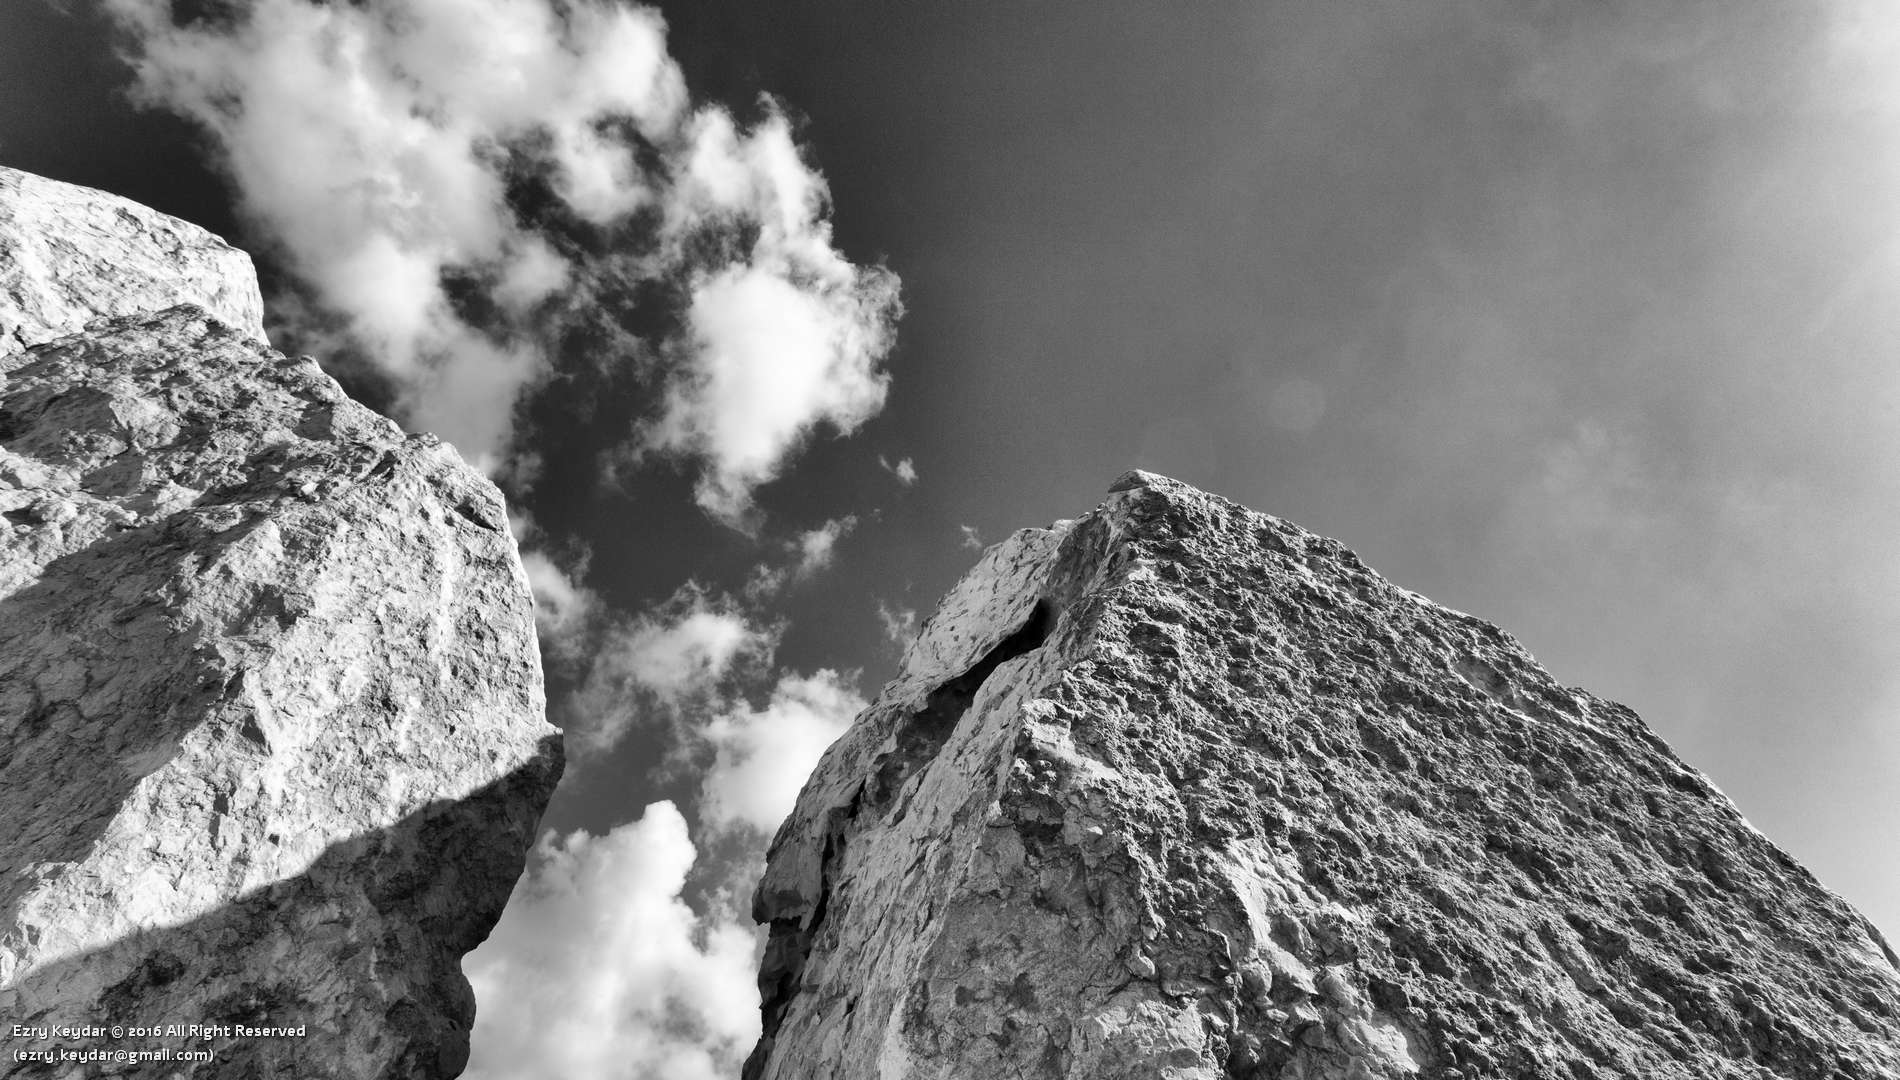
[920, 737]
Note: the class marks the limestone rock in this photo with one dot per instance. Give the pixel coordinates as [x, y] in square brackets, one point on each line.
[272, 733]
[69, 255]
[1181, 790]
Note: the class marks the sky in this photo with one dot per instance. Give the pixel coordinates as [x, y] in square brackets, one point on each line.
[1575, 316]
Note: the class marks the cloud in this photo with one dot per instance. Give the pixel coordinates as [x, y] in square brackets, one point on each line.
[900, 624]
[774, 360]
[669, 660]
[599, 968]
[381, 148]
[811, 552]
[817, 547]
[561, 608]
[366, 146]
[971, 538]
[905, 470]
[679, 997]
[764, 756]
[674, 659]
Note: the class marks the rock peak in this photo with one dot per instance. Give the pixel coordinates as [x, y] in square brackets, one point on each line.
[1181, 790]
[1138, 478]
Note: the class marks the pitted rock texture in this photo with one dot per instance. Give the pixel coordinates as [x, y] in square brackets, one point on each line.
[272, 731]
[1181, 790]
[69, 255]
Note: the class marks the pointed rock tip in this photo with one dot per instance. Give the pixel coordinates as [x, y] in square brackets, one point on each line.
[1138, 478]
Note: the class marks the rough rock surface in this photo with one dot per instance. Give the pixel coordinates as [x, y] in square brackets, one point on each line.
[69, 255]
[1180, 790]
[272, 732]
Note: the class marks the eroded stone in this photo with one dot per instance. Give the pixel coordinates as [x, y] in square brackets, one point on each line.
[1244, 809]
[69, 255]
[272, 731]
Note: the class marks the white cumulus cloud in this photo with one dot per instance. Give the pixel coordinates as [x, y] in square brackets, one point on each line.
[599, 968]
[763, 756]
[776, 356]
[373, 146]
[672, 659]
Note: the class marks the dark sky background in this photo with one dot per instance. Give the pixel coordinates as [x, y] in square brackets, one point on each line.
[1575, 316]
[1579, 317]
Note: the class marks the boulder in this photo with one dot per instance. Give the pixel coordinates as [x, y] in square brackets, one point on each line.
[1181, 790]
[273, 742]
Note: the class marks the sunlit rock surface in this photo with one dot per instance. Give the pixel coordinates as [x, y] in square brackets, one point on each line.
[69, 255]
[1181, 790]
[272, 732]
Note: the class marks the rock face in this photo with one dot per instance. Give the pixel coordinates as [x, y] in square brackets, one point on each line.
[272, 732]
[69, 255]
[1180, 790]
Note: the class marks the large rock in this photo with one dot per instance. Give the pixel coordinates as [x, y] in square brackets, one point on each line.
[1180, 790]
[69, 255]
[272, 732]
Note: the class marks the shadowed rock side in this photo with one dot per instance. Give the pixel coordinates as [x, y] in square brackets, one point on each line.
[367, 1008]
[272, 733]
[1181, 790]
[69, 255]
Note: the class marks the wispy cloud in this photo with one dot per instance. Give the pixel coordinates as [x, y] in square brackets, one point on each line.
[381, 149]
[810, 552]
[900, 624]
[662, 666]
[562, 607]
[904, 469]
[818, 547]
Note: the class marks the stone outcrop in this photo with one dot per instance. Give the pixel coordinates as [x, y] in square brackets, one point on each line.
[1181, 790]
[69, 255]
[272, 733]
